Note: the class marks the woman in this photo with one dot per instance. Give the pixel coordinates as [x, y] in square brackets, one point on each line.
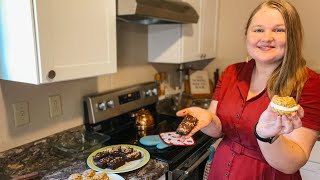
[240, 104]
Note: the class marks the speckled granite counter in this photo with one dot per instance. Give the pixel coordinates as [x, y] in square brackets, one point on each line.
[51, 163]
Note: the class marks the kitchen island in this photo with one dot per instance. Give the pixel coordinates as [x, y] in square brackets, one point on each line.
[51, 163]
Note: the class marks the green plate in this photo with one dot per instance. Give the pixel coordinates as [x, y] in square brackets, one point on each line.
[129, 166]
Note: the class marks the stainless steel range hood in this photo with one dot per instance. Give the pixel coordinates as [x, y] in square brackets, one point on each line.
[156, 12]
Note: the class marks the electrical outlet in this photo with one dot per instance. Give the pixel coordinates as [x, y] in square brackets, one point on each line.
[21, 113]
[55, 106]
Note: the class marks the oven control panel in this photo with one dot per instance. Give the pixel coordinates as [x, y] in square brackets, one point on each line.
[129, 97]
[103, 106]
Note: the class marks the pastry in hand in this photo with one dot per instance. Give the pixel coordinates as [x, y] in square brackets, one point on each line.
[187, 124]
[284, 105]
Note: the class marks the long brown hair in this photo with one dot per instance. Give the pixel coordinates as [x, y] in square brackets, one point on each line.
[289, 77]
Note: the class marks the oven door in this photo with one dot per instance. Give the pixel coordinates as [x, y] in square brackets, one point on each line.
[192, 167]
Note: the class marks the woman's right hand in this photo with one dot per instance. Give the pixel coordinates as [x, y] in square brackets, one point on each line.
[271, 124]
[204, 117]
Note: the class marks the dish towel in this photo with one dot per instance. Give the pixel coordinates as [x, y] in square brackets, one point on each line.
[208, 164]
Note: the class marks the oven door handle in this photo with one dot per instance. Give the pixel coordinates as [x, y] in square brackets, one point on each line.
[195, 165]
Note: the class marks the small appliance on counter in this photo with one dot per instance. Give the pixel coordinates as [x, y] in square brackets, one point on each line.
[129, 114]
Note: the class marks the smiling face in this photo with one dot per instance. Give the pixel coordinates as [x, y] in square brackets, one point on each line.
[266, 36]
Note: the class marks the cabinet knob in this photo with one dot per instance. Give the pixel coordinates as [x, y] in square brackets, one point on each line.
[52, 74]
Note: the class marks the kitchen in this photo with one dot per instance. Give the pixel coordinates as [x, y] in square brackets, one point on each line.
[131, 58]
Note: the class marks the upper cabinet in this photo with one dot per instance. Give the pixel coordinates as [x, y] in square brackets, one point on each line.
[45, 41]
[176, 43]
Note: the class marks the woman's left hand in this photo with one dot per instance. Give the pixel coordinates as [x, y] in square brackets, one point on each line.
[271, 123]
[204, 117]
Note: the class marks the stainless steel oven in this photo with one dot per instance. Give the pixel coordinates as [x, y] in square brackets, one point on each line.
[192, 168]
[109, 113]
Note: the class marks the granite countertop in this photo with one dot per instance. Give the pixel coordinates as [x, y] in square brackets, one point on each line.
[51, 163]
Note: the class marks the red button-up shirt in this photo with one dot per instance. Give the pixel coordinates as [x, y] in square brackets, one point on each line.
[238, 155]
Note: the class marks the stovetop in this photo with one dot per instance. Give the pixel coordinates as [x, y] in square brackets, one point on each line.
[110, 113]
[173, 155]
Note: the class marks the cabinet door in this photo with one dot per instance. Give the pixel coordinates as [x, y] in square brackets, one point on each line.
[191, 41]
[196, 41]
[199, 40]
[77, 38]
[209, 14]
[18, 56]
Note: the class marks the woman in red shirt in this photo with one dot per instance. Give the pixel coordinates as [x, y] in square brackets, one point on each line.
[240, 110]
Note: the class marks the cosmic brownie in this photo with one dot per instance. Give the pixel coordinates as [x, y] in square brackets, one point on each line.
[100, 155]
[133, 156]
[115, 157]
[187, 124]
[116, 162]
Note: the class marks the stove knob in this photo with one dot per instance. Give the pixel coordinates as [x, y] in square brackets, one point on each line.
[102, 106]
[110, 104]
[155, 91]
[148, 93]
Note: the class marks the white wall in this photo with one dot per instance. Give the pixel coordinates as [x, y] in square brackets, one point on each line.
[132, 59]
[310, 17]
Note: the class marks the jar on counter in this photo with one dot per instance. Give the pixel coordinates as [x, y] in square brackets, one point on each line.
[162, 81]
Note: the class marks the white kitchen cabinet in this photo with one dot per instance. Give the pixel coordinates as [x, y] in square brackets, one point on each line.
[45, 41]
[176, 43]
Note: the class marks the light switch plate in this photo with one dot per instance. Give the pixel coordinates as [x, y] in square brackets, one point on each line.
[21, 113]
[55, 106]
